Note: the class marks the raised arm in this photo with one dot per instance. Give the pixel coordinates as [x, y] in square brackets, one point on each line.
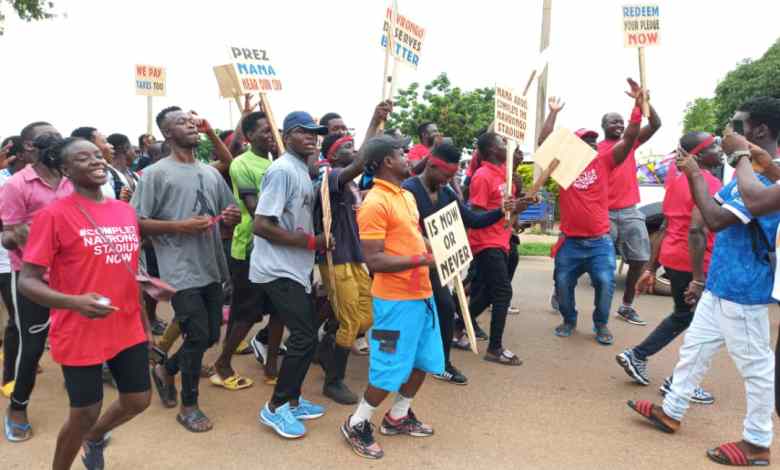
[224, 157]
[647, 131]
[715, 217]
[555, 105]
[381, 113]
[623, 148]
[759, 199]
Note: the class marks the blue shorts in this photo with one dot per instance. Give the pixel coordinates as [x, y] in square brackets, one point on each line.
[405, 336]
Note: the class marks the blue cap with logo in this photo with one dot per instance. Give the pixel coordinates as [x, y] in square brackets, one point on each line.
[302, 119]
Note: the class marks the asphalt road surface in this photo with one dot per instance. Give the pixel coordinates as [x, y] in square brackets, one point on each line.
[564, 408]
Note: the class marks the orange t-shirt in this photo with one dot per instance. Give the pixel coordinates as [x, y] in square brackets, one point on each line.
[389, 213]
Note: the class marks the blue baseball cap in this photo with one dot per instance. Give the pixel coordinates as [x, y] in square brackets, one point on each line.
[302, 119]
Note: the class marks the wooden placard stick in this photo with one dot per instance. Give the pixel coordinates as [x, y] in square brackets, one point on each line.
[643, 82]
[266, 106]
[326, 227]
[537, 186]
[464, 310]
[149, 115]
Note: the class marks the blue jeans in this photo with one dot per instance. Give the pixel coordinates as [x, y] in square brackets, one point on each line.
[595, 256]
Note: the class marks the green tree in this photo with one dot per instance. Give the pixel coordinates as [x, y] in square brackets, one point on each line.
[29, 10]
[700, 116]
[747, 80]
[459, 114]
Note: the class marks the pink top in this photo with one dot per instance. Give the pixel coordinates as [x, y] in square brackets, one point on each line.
[24, 194]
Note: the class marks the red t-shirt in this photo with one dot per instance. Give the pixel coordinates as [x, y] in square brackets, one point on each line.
[417, 153]
[584, 206]
[487, 190]
[623, 185]
[82, 261]
[677, 207]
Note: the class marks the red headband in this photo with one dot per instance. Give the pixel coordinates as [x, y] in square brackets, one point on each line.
[335, 147]
[439, 163]
[703, 145]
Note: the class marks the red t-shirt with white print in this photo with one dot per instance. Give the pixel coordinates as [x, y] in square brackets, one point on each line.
[83, 260]
[585, 205]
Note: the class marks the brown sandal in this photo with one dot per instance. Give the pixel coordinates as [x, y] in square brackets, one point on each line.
[505, 358]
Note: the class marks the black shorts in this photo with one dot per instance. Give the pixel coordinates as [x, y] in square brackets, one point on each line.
[151, 261]
[249, 303]
[130, 369]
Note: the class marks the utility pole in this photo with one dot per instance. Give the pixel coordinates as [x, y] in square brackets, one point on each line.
[541, 92]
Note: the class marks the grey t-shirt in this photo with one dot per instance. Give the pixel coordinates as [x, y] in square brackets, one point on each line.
[287, 195]
[172, 190]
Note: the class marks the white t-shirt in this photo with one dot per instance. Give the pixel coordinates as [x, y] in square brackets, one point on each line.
[108, 187]
[5, 262]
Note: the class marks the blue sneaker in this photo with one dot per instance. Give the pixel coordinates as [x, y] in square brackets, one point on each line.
[283, 421]
[307, 410]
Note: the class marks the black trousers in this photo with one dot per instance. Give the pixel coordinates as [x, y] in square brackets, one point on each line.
[11, 333]
[32, 321]
[674, 324]
[295, 309]
[445, 307]
[198, 311]
[495, 288]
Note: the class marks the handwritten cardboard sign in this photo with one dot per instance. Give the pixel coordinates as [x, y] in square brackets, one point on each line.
[254, 70]
[407, 38]
[573, 155]
[641, 25]
[449, 242]
[149, 80]
[511, 114]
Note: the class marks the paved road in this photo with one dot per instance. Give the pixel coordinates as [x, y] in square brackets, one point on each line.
[564, 408]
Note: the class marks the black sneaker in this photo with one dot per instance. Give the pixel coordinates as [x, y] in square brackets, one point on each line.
[629, 314]
[480, 334]
[93, 454]
[361, 438]
[634, 367]
[409, 425]
[452, 375]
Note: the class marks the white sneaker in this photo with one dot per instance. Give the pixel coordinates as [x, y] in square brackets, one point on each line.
[360, 346]
[259, 350]
[513, 311]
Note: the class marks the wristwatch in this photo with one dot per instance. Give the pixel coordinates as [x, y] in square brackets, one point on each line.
[734, 157]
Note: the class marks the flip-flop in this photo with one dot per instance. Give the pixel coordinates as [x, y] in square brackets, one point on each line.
[243, 348]
[270, 380]
[730, 454]
[645, 409]
[167, 393]
[9, 427]
[191, 420]
[506, 358]
[234, 382]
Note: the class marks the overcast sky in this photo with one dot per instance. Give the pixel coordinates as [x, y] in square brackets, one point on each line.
[78, 69]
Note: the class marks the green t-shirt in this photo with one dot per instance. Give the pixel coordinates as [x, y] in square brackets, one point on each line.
[246, 172]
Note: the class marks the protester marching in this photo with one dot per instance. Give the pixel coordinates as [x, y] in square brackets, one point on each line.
[144, 265]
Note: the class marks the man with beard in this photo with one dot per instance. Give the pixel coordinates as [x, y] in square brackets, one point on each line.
[179, 201]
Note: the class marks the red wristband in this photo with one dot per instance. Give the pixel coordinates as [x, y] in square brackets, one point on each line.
[311, 243]
[636, 115]
[423, 259]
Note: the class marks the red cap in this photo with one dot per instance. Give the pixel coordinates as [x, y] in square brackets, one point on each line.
[582, 133]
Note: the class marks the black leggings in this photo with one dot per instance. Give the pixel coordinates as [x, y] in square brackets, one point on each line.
[32, 320]
[674, 324]
[445, 307]
[129, 368]
[11, 334]
[198, 311]
[493, 288]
